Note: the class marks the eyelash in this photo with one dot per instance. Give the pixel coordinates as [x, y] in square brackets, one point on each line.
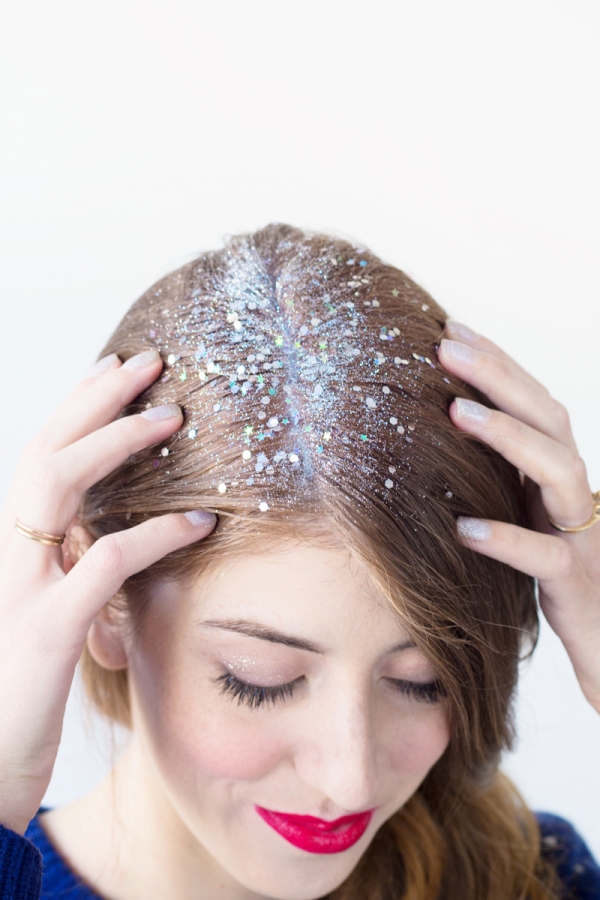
[254, 695]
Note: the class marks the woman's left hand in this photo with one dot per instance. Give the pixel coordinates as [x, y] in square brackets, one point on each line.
[532, 431]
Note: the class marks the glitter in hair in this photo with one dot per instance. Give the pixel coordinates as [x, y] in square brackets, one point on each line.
[295, 364]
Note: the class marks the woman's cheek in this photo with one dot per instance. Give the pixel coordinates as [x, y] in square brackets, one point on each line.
[219, 739]
[415, 746]
[194, 728]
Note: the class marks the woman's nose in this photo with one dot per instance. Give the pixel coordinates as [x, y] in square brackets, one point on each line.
[338, 758]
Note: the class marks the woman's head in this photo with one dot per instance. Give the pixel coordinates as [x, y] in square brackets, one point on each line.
[316, 427]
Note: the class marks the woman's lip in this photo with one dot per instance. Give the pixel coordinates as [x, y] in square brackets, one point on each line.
[317, 835]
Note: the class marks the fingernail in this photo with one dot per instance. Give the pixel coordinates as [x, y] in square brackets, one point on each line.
[200, 517]
[461, 331]
[468, 409]
[457, 351]
[157, 413]
[103, 365]
[473, 529]
[142, 359]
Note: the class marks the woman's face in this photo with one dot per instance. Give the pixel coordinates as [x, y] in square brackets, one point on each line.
[280, 683]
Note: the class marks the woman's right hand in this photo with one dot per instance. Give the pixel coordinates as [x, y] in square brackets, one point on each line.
[46, 611]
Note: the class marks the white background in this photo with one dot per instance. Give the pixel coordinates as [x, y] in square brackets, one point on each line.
[459, 140]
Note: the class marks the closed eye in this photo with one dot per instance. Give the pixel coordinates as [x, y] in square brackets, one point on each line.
[255, 695]
[424, 691]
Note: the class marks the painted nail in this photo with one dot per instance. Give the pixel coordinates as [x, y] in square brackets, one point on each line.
[142, 359]
[473, 529]
[103, 365]
[461, 331]
[459, 352]
[157, 413]
[200, 517]
[468, 409]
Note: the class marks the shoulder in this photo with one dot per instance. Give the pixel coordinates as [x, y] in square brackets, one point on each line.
[58, 879]
[566, 849]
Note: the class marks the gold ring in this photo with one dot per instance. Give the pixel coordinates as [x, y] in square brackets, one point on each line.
[592, 521]
[51, 540]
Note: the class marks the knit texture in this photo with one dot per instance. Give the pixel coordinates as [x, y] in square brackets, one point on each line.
[20, 867]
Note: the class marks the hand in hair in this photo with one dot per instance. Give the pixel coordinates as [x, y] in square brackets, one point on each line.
[47, 601]
[532, 431]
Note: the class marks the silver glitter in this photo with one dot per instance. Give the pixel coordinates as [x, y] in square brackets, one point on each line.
[308, 344]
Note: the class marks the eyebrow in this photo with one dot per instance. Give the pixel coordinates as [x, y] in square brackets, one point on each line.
[264, 633]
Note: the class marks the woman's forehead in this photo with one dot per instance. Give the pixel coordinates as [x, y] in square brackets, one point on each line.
[292, 587]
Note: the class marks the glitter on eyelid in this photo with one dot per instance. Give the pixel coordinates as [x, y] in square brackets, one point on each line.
[222, 488]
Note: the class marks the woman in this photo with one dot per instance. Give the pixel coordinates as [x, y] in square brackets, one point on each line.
[301, 570]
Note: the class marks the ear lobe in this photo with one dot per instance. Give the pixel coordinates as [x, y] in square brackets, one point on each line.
[105, 642]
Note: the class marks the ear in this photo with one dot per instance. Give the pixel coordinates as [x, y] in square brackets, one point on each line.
[106, 637]
[106, 641]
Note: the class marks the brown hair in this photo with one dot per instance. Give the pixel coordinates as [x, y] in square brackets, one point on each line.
[357, 444]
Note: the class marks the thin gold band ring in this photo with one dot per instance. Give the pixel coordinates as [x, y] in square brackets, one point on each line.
[592, 521]
[50, 540]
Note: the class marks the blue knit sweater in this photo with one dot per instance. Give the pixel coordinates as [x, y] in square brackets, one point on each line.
[31, 869]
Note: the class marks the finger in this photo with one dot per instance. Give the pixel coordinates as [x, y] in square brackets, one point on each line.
[96, 401]
[52, 496]
[509, 388]
[99, 574]
[543, 556]
[558, 470]
[112, 361]
[456, 331]
[568, 597]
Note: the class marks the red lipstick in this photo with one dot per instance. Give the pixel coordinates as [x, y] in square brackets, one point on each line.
[318, 835]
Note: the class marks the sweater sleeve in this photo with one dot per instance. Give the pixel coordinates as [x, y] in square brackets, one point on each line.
[20, 867]
[576, 867]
